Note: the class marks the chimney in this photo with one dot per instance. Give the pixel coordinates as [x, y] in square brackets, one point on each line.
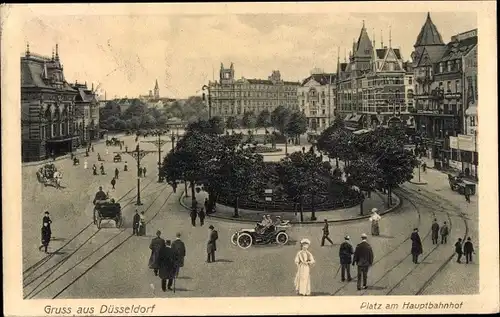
[92, 86]
[27, 49]
[57, 52]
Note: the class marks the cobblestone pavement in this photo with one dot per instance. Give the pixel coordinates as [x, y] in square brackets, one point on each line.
[108, 263]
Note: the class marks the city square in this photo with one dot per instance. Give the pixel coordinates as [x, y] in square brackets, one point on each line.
[382, 149]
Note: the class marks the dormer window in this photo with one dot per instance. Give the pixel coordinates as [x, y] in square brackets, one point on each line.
[449, 66]
[441, 67]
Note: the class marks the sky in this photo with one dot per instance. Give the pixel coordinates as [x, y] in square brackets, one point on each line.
[125, 53]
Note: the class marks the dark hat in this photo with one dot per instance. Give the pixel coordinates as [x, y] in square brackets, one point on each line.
[168, 242]
[211, 227]
[158, 233]
[178, 235]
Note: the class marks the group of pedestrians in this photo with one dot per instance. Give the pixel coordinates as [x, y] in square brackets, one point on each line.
[166, 259]
[198, 213]
[139, 224]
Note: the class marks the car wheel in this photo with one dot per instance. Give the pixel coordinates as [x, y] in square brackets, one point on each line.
[234, 238]
[282, 238]
[244, 240]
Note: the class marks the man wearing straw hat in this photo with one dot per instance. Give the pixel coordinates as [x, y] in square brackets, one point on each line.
[363, 257]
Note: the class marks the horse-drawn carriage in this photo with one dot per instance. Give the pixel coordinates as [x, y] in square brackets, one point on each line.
[113, 142]
[107, 209]
[49, 175]
[117, 158]
[458, 184]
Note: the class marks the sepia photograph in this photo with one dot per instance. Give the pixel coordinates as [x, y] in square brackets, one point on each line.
[225, 151]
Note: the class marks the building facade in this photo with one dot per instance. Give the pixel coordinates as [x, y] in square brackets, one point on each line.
[86, 123]
[47, 107]
[372, 88]
[233, 97]
[316, 98]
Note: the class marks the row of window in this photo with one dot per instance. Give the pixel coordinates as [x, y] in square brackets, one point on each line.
[314, 104]
[254, 87]
[251, 94]
[450, 66]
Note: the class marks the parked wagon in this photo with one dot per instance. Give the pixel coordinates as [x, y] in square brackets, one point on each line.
[461, 186]
[117, 158]
[108, 210]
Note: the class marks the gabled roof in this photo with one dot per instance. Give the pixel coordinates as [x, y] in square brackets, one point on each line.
[381, 52]
[429, 35]
[322, 79]
[457, 49]
[32, 70]
[434, 53]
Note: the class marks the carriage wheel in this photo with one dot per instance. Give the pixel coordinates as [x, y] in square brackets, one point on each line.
[282, 238]
[234, 238]
[244, 240]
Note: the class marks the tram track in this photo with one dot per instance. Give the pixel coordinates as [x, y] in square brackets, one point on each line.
[34, 268]
[45, 283]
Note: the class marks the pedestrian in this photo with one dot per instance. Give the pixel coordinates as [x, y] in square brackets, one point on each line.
[326, 232]
[206, 205]
[126, 149]
[107, 151]
[144, 171]
[125, 167]
[416, 245]
[435, 231]
[467, 195]
[117, 173]
[424, 167]
[193, 215]
[85, 164]
[142, 224]
[86, 153]
[174, 186]
[363, 257]
[45, 237]
[139, 172]
[92, 148]
[468, 250]
[201, 215]
[304, 260]
[135, 223]
[113, 182]
[345, 254]
[458, 250]
[166, 259]
[444, 233]
[375, 218]
[155, 246]
[102, 169]
[121, 146]
[212, 244]
[94, 169]
[180, 252]
[46, 219]
[99, 157]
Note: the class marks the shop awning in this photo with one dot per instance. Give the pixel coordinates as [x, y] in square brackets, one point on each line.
[356, 118]
[348, 117]
[62, 139]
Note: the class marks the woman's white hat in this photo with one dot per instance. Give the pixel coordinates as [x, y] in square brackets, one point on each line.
[374, 210]
[305, 241]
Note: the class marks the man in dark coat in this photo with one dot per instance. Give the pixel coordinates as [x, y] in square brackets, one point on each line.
[416, 245]
[166, 260]
[193, 215]
[180, 252]
[94, 169]
[326, 233]
[363, 257]
[45, 237]
[345, 255]
[117, 173]
[155, 246]
[144, 171]
[201, 215]
[444, 233]
[435, 232]
[46, 219]
[468, 250]
[135, 223]
[458, 249]
[206, 205]
[113, 183]
[212, 244]
[100, 195]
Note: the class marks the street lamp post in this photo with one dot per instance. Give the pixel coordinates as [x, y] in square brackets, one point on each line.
[158, 143]
[138, 155]
[205, 87]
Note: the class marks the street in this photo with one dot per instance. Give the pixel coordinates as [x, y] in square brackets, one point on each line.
[110, 263]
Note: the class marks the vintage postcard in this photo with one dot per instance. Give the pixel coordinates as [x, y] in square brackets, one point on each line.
[249, 158]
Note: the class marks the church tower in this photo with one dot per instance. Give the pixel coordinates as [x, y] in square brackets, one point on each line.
[226, 74]
[157, 90]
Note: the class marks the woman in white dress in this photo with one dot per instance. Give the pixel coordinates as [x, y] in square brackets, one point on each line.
[304, 259]
[85, 164]
[375, 218]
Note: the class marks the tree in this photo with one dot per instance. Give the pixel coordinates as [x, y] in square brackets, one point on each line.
[297, 125]
[365, 174]
[338, 145]
[249, 120]
[232, 123]
[264, 119]
[120, 125]
[110, 122]
[303, 175]
[217, 125]
[279, 118]
[338, 123]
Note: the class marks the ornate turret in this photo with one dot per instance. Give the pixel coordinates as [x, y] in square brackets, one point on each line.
[157, 90]
[57, 52]
[27, 49]
[429, 35]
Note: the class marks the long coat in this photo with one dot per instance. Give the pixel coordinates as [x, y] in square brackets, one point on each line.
[45, 235]
[363, 255]
[46, 219]
[180, 252]
[416, 243]
[156, 245]
[345, 253]
[212, 244]
[166, 260]
[435, 230]
[136, 220]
